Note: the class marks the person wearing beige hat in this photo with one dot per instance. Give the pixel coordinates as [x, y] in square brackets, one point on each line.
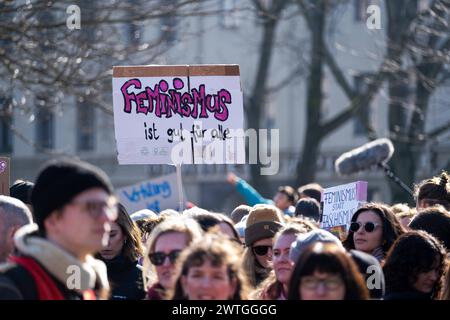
[263, 222]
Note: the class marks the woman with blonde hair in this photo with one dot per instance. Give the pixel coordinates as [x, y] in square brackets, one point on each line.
[209, 269]
[165, 243]
[275, 287]
[262, 224]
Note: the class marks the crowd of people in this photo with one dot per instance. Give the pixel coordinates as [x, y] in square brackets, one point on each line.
[67, 237]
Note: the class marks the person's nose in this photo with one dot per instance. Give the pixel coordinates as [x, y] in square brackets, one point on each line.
[321, 290]
[434, 275]
[205, 282]
[166, 262]
[284, 257]
[361, 230]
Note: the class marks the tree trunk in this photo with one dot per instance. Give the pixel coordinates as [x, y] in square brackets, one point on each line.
[403, 162]
[256, 101]
[306, 167]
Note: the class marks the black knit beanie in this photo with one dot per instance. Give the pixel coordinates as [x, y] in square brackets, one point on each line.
[60, 181]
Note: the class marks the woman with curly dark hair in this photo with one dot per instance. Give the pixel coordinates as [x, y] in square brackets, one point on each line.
[373, 229]
[209, 269]
[326, 272]
[414, 267]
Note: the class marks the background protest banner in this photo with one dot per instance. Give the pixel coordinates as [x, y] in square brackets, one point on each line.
[156, 194]
[4, 176]
[338, 205]
[178, 114]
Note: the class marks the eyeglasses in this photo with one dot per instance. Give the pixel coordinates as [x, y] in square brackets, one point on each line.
[158, 258]
[368, 226]
[96, 208]
[312, 283]
[261, 250]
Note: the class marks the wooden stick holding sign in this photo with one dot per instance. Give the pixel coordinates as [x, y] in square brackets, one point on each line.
[4, 175]
[180, 188]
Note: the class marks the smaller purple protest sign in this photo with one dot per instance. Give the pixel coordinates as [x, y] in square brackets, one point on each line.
[339, 204]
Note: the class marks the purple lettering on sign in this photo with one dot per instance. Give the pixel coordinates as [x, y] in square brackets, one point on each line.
[161, 100]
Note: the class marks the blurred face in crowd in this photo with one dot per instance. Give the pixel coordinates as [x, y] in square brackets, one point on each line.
[426, 281]
[168, 245]
[322, 286]
[262, 250]
[281, 201]
[282, 265]
[115, 243]
[208, 282]
[82, 226]
[364, 240]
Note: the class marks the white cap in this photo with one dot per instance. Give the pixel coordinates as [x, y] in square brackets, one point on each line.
[143, 214]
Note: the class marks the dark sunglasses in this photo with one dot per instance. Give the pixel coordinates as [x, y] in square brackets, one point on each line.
[261, 250]
[368, 226]
[158, 258]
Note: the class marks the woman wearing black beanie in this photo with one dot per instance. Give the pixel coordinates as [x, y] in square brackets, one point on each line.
[73, 206]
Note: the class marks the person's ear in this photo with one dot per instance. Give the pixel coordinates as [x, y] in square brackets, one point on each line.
[10, 236]
[12, 231]
[51, 222]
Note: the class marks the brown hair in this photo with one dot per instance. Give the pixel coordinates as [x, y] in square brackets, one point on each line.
[413, 253]
[434, 191]
[446, 292]
[219, 250]
[311, 190]
[290, 193]
[328, 258]
[132, 248]
[392, 228]
[187, 226]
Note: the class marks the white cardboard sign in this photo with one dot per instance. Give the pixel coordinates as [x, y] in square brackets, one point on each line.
[338, 205]
[178, 114]
[155, 194]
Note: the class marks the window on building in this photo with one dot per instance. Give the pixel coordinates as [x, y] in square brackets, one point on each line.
[86, 127]
[45, 128]
[364, 114]
[5, 125]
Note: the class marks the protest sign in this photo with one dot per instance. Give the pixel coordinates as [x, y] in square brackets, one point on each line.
[185, 114]
[338, 205]
[155, 194]
[4, 176]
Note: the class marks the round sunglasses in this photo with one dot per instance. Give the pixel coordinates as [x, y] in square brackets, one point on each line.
[368, 226]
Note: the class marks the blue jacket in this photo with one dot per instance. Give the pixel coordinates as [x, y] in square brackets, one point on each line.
[253, 197]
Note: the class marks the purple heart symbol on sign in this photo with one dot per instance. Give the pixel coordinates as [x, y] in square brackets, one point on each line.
[2, 166]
